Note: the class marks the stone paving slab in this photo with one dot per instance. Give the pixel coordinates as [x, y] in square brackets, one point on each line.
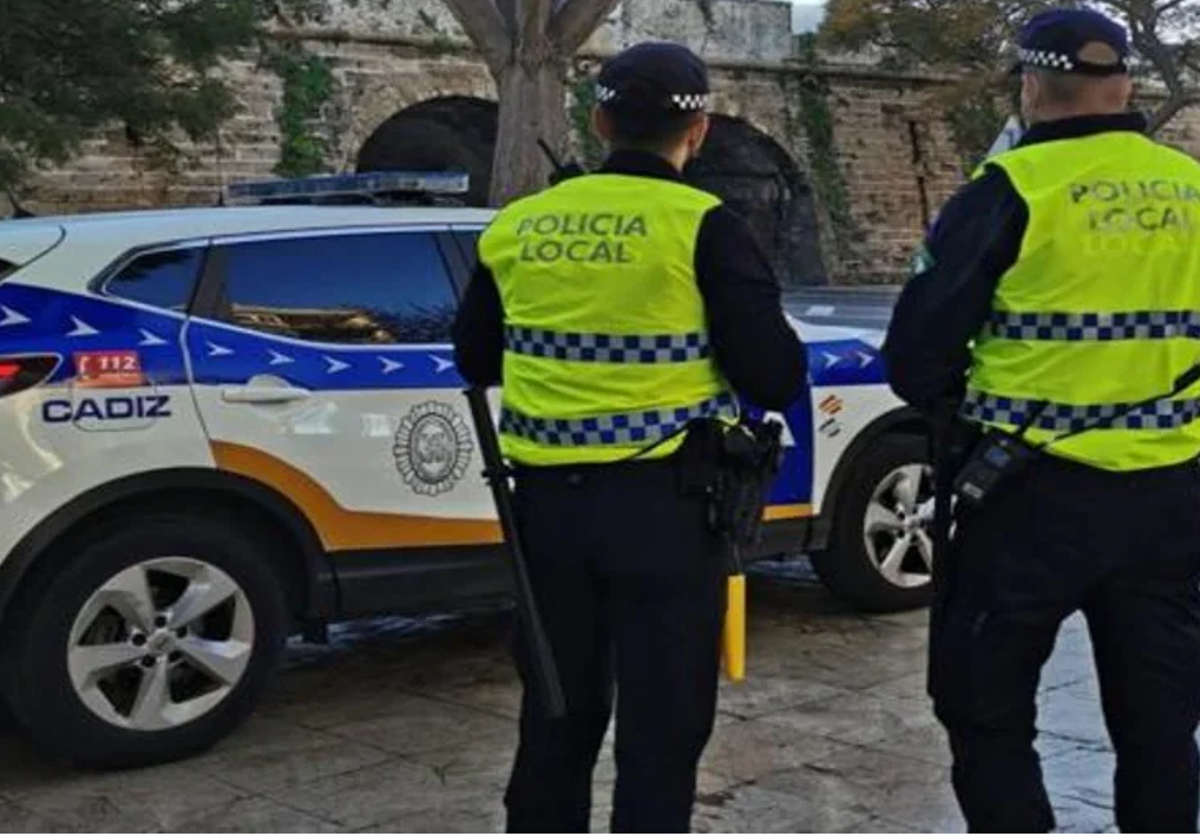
[410, 726]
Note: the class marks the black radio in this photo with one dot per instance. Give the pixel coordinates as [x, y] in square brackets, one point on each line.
[1000, 456]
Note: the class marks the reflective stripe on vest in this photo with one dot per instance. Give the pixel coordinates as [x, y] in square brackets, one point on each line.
[640, 429]
[593, 347]
[1093, 326]
[606, 344]
[1101, 309]
[1062, 419]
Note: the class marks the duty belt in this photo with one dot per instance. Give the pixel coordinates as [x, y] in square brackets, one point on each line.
[1057, 417]
[633, 428]
[598, 347]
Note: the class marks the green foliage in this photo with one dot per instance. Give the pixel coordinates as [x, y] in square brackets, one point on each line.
[816, 117]
[975, 117]
[976, 38]
[307, 85]
[806, 48]
[69, 69]
[583, 100]
[956, 34]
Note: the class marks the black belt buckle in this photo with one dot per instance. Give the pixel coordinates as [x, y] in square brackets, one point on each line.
[996, 459]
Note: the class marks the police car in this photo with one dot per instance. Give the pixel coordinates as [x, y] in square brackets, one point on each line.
[223, 426]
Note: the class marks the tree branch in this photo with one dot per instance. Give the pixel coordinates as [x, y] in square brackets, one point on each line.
[1171, 4]
[1168, 111]
[576, 20]
[534, 20]
[487, 29]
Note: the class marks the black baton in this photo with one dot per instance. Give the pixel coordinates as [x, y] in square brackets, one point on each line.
[544, 670]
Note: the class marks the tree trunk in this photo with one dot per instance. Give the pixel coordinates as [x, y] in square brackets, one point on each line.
[532, 107]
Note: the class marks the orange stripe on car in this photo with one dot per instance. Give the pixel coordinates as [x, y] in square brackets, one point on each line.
[345, 530]
[775, 512]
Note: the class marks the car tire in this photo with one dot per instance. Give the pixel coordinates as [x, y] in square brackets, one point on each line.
[189, 683]
[886, 499]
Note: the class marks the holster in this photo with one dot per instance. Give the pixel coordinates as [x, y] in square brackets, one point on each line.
[733, 468]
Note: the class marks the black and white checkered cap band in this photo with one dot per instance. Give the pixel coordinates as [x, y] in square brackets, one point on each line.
[690, 101]
[677, 102]
[1047, 59]
[1163, 415]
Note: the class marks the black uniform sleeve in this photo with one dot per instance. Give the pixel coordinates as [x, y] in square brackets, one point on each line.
[947, 302]
[759, 353]
[478, 330]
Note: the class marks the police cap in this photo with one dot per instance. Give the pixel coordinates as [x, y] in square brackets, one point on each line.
[654, 78]
[1058, 40]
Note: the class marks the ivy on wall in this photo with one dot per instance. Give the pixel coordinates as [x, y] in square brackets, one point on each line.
[816, 121]
[308, 85]
[816, 118]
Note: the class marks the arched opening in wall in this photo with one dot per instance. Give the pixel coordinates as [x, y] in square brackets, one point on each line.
[438, 135]
[758, 178]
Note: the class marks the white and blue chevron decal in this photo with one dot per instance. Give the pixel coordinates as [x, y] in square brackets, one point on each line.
[221, 354]
[33, 320]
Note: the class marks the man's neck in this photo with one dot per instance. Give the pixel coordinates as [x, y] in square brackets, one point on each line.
[1058, 115]
[674, 160]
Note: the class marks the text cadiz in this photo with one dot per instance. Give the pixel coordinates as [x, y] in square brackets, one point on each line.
[150, 407]
[579, 237]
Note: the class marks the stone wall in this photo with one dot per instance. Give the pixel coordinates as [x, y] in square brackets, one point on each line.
[890, 165]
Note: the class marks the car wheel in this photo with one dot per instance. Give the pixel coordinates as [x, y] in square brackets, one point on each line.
[152, 642]
[880, 556]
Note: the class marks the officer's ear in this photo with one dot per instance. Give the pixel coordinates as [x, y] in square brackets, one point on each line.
[697, 134]
[602, 125]
[1031, 97]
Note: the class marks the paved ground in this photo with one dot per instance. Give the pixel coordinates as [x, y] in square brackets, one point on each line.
[410, 727]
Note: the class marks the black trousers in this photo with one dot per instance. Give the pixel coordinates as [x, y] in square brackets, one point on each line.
[631, 589]
[1124, 549]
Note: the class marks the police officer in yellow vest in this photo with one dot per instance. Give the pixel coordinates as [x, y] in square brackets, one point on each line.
[1057, 300]
[615, 307]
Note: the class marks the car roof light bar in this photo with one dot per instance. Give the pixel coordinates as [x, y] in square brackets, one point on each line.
[364, 184]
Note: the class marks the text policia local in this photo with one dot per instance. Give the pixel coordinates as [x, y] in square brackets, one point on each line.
[582, 237]
[1146, 206]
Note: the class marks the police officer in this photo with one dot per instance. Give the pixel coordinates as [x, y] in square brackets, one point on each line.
[1058, 291]
[615, 307]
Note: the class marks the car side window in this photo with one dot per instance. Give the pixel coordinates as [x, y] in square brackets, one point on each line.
[468, 244]
[163, 279]
[369, 288]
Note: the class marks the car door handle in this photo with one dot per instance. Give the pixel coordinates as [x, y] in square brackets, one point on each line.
[263, 395]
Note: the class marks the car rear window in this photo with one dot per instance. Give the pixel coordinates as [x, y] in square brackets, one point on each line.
[165, 279]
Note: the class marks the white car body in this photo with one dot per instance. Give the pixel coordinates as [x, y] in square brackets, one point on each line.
[361, 454]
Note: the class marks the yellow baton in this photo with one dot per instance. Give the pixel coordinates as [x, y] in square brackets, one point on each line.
[733, 641]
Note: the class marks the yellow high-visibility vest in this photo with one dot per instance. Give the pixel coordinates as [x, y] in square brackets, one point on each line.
[1102, 308]
[606, 343]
